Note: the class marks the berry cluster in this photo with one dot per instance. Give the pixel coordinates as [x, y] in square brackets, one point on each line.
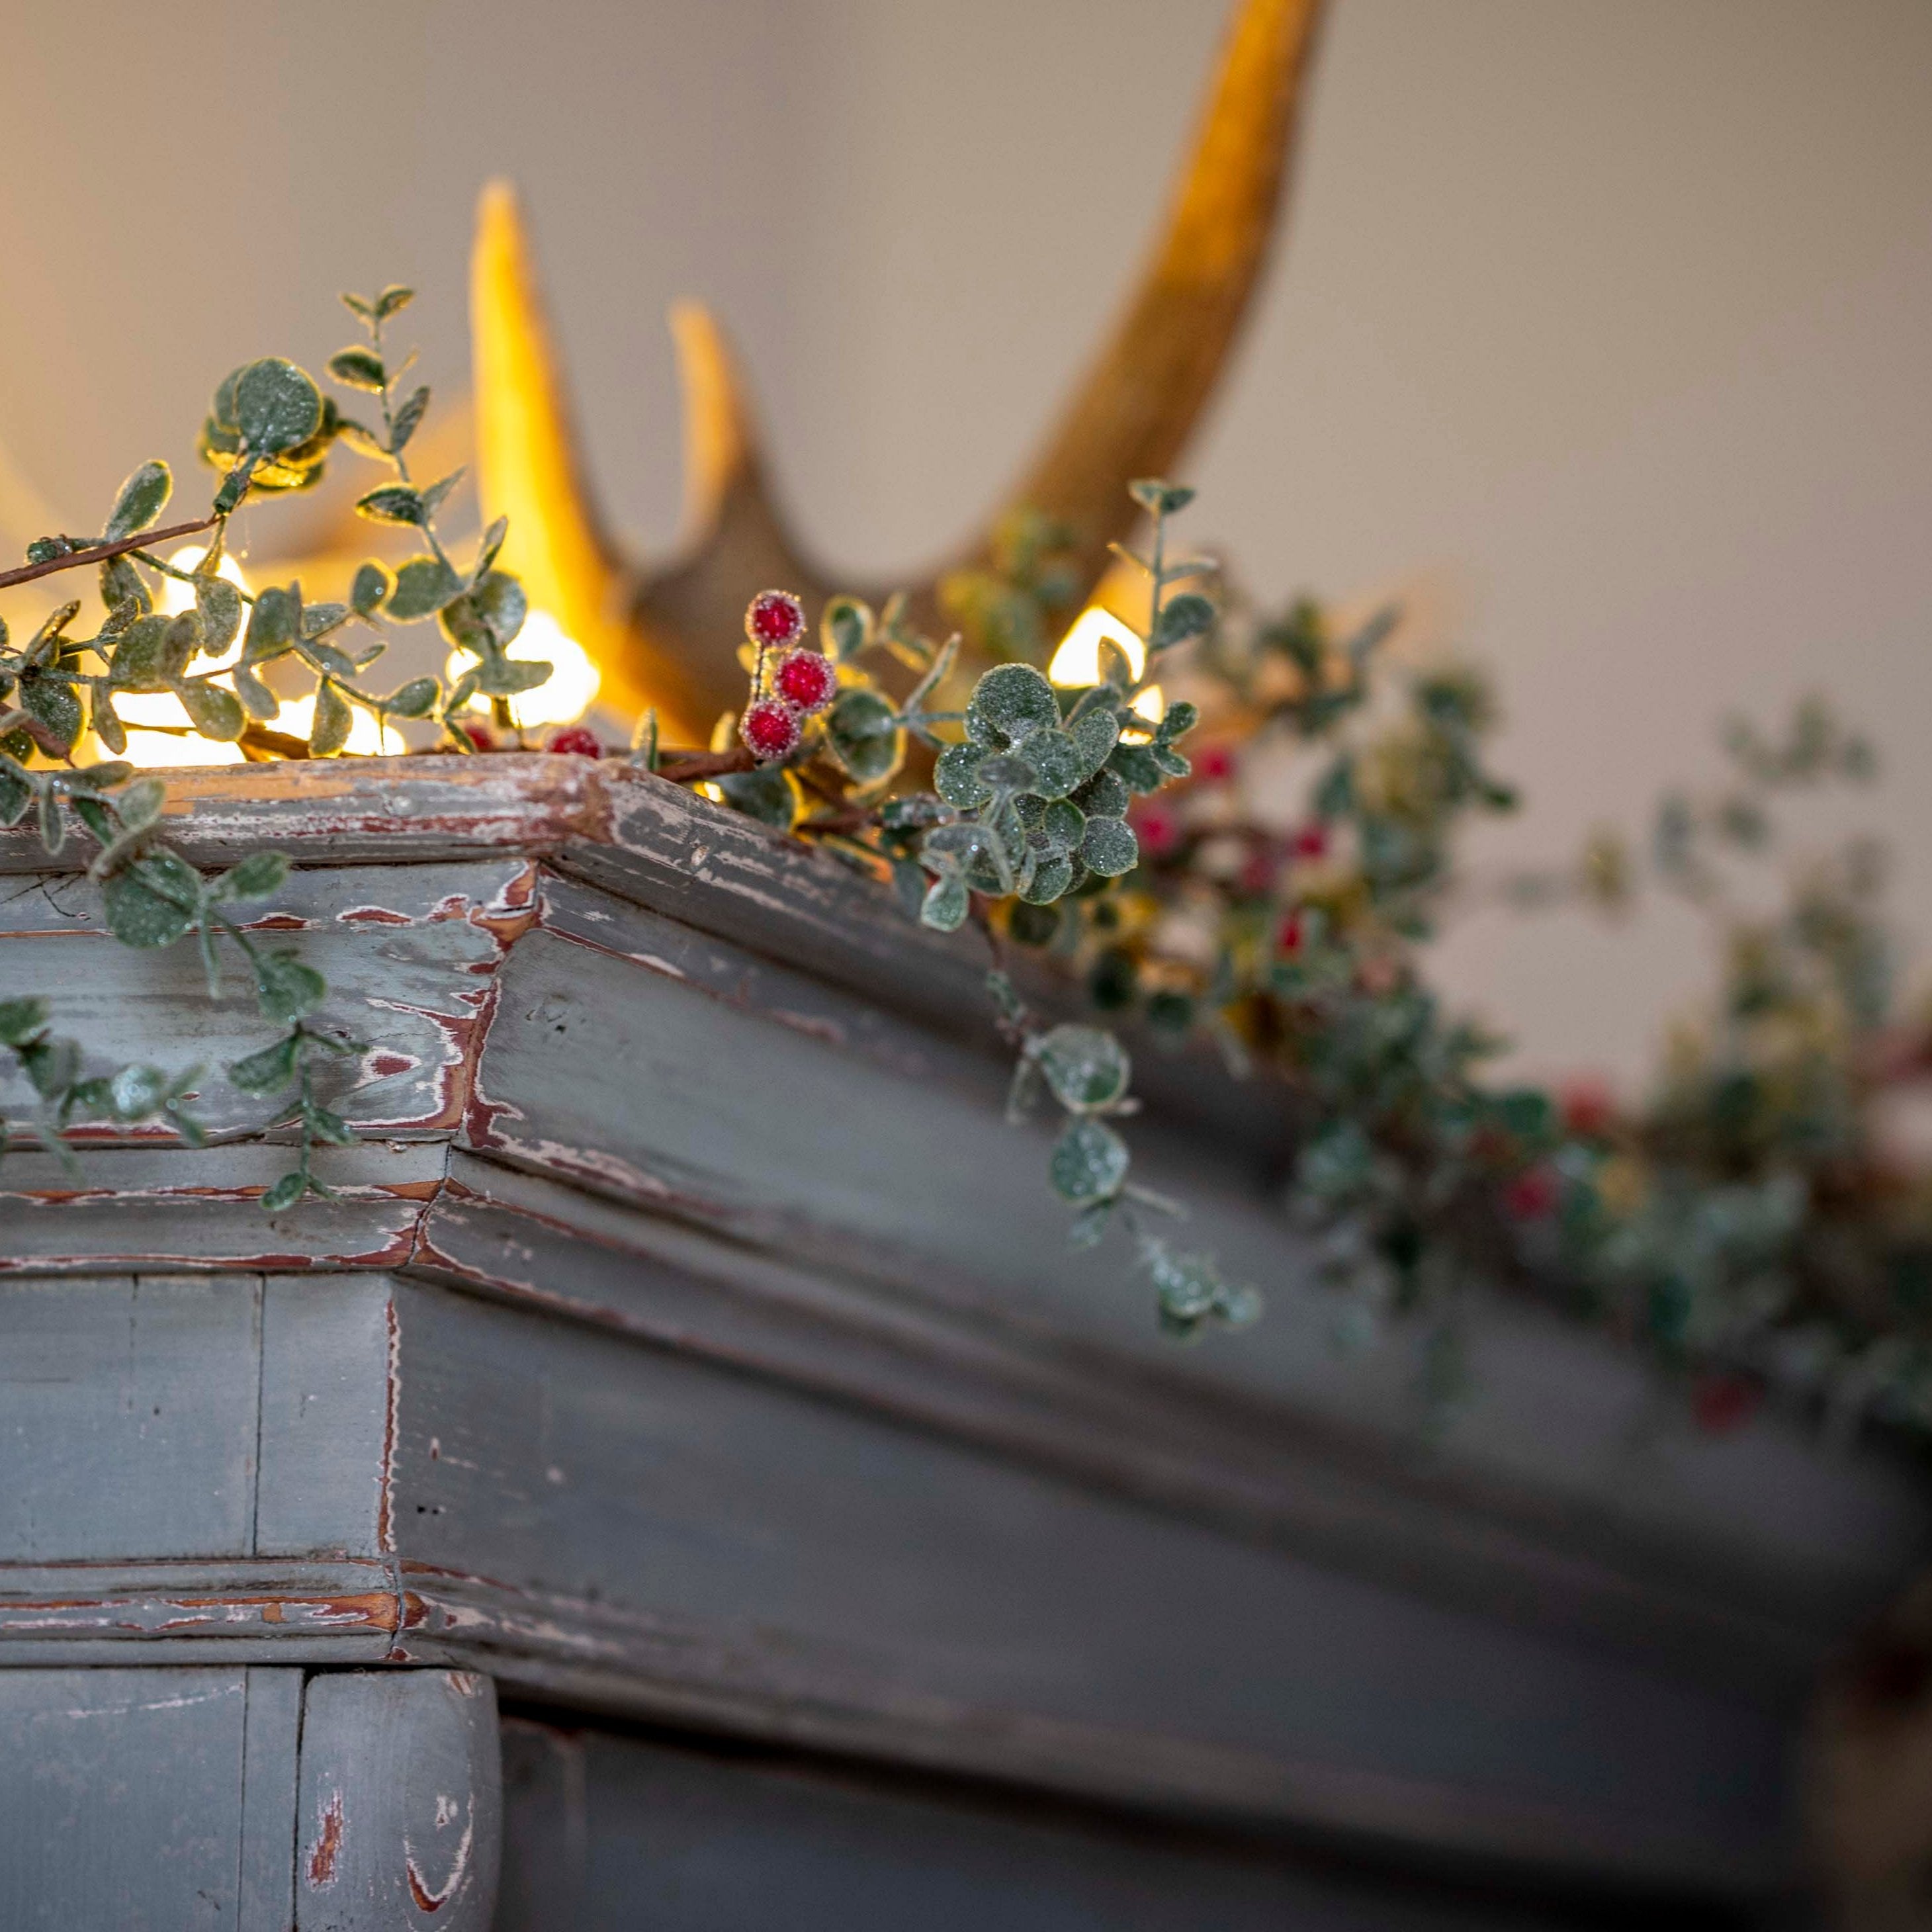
[799, 683]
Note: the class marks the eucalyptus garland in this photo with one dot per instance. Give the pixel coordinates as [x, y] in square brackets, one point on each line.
[1270, 892]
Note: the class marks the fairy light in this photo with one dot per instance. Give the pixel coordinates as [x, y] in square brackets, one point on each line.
[1077, 662]
[150, 747]
[366, 735]
[565, 695]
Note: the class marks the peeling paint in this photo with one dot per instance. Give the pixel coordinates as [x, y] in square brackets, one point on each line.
[428, 1899]
[327, 1850]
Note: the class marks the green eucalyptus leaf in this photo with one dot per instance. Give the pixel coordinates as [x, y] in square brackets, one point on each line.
[946, 903]
[21, 1019]
[218, 605]
[771, 795]
[1056, 756]
[408, 419]
[1016, 700]
[1064, 825]
[1089, 1163]
[321, 1125]
[416, 699]
[53, 1065]
[140, 805]
[139, 659]
[394, 298]
[274, 623]
[106, 720]
[319, 619]
[488, 549]
[1086, 1066]
[370, 590]
[1008, 772]
[956, 777]
[16, 795]
[122, 584]
[1190, 615]
[846, 627]
[862, 732]
[214, 713]
[286, 1192]
[328, 731]
[1159, 498]
[257, 700]
[142, 498]
[154, 902]
[500, 677]
[423, 585]
[135, 1092]
[268, 1071]
[334, 663]
[358, 367]
[1108, 847]
[277, 405]
[257, 876]
[1051, 878]
[435, 494]
[54, 706]
[1176, 721]
[1095, 733]
[1136, 764]
[285, 989]
[393, 503]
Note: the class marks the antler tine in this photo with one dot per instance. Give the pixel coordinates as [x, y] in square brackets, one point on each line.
[734, 542]
[527, 457]
[1141, 396]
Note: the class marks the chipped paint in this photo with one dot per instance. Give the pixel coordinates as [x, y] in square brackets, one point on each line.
[385, 1539]
[327, 1850]
[425, 1897]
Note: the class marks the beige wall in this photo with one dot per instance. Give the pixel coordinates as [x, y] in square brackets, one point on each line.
[1606, 322]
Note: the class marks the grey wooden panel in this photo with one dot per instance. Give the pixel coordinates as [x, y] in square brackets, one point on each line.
[175, 1208]
[128, 1417]
[326, 1416]
[121, 1799]
[605, 1834]
[270, 1741]
[400, 1803]
[607, 1074]
[407, 952]
[684, 1538]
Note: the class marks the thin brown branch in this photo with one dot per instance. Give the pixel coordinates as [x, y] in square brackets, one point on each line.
[688, 767]
[94, 553]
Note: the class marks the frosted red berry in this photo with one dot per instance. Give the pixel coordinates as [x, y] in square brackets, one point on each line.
[1215, 765]
[769, 729]
[774, 617]
[806, 679]
[1287, 935]
[480, 737]
[1312, 841]
[1532, 1194]
[576, 741]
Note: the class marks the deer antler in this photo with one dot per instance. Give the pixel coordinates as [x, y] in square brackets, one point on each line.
[667, 636]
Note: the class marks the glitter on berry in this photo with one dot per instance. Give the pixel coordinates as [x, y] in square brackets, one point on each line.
[805, 679]
[774, 617]
[576, 741]
[770, 729]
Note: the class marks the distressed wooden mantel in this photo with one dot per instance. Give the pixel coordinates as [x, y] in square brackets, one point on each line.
[690, 1340]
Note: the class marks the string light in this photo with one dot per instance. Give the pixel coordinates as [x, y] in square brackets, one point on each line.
[136, 709]
[1077, 662]
[565, 695]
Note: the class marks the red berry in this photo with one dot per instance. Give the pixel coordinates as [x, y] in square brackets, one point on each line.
[480, 737]
[805, 679]
[769, 729]
[1287, 935]
[1215, 765]
[1589, 1108]
[1532, 1194]
[1720, 1403]
[1156, 828]
[1258, 871]
[1311, 840]
[576, 741]
[774, 617]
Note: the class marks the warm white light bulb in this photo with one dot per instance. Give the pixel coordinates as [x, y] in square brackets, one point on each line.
[1151, 705]
[565, 695]
[1077, 662]
[297, 717]
[135, 708]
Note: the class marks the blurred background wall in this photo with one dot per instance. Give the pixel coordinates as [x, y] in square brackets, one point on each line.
[1601, 328]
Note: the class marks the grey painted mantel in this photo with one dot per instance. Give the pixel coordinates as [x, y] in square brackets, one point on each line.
[691, 1343]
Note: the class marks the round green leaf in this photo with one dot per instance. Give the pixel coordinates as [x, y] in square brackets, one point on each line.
[152, 903]
[946, 902]
[1086, 1066]
[862, 732]
[1104, 796]
[215, 713]
[1109, 847]
[1015, 699]
[286, 990]
[370, 590]
[1051, 878]
[423, 585]
[1090, 1162]
[142, 498]
[1096, 732]
[1056, 761]
[956, 777]
[1064, 825]
[277, 405]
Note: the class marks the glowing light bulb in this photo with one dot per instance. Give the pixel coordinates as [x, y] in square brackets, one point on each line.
[1151, 705]
[136, 709]
[149, 749]
[1077, 662]
[565, 696]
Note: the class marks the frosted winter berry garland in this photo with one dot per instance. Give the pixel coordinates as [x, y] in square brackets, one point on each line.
[1748, 1227]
